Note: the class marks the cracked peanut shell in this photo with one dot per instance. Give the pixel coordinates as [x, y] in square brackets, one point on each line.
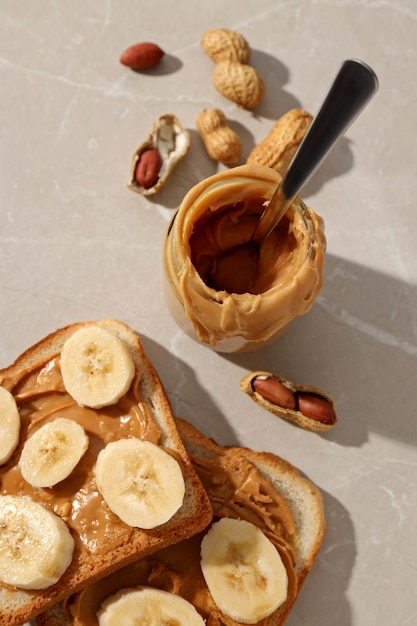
[171, 140]
[325, 415]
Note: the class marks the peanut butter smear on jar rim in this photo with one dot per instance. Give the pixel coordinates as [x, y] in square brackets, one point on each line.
[220, 288]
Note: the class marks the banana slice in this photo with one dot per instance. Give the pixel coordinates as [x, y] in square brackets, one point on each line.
[243, 570]
[52, 452]
[36, 546]
[9, 425]
[140, 482]
[149, 606]
[96, 366]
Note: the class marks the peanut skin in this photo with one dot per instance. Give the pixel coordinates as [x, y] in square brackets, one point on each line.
[315, 407]
[148, 168]
[275, 392]
[142, 56]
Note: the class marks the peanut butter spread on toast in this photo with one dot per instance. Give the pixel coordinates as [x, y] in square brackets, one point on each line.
[41, 397]
[236, 489]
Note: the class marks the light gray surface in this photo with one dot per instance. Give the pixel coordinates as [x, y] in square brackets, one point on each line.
[76, 244]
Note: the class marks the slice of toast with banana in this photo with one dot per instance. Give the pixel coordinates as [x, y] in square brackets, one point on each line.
[93, 472]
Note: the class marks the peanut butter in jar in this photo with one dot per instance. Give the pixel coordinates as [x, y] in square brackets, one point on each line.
[221, 288]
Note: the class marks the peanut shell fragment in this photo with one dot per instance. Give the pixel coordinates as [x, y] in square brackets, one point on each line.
[308, 407]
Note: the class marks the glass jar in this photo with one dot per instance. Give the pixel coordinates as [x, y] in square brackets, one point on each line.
[220, 288]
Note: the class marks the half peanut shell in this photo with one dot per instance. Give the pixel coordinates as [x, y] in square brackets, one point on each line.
[171, 140]
[285, 398]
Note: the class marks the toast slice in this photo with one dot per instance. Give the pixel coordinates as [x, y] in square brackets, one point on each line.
[303, 497]
[256, 486]
[103, 543]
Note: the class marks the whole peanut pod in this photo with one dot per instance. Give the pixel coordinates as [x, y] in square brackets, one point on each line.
[278, 148]
[223, 44]
[221, 141]
[239, 82]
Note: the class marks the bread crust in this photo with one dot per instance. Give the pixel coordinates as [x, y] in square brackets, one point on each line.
[18, 606]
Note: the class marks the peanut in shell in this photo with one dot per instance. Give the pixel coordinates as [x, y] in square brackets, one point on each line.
[223, 44]
[220, 140]
[171, 140]
[279, 146]
[239, 83]
[274, 389]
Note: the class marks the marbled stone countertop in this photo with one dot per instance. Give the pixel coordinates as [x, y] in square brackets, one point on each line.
[76, 244]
